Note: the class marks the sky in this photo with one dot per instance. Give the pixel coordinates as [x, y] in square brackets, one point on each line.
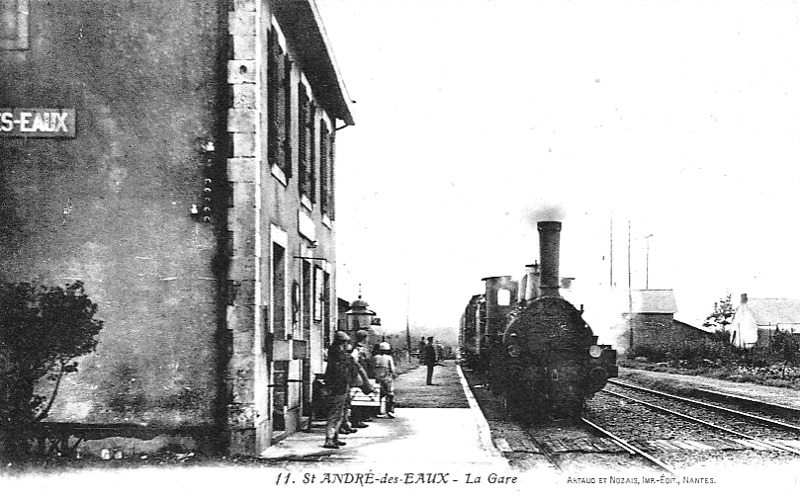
[475, 117]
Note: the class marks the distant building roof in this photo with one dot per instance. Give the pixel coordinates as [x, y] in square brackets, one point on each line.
[690, 327]
[773, 311]
[653, 301]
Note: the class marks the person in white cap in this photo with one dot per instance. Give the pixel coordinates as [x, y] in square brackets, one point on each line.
[383, 364]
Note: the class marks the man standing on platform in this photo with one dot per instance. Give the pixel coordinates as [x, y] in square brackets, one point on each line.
[429, 359]
[337, 375]
[385, 372]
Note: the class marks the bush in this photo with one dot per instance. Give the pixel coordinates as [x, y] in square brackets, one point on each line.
[704, 349]
[688, 353]
[653, 353]
[785, 347]
[42, 331]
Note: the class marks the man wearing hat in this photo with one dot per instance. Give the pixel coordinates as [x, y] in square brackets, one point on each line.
[337, 375]
[429, 359]
[383, 364]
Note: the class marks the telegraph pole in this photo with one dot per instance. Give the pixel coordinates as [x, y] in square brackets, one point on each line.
[611, 252]
[647, 263]
[630, 294]
[408, 329]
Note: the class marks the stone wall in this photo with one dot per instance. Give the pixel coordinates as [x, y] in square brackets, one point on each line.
[113, 206]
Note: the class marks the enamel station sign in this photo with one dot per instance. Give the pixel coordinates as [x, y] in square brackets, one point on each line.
[37, 122]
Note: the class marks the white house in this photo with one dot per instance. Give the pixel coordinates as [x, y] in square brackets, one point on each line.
[756, 319]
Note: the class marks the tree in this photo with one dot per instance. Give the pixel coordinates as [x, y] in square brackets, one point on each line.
[720, 318]
[42, 331]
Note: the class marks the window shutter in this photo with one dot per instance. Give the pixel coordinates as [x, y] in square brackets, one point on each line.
[302, 149]
[286, 143]
[332, 170]
[271, 98]
[312, 154]
[14, 24]
[324, 180]
[276, 102]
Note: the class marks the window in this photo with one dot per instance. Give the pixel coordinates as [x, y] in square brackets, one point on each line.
[278, 105]
[14, 24]
[503, 297]
[278, 291]
[319, 297]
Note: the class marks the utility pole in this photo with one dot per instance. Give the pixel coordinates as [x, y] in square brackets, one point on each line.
[630, 294]
[611, 252]
[647, 263]
[408, 329]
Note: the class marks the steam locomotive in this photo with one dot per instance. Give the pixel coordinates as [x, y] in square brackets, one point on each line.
[538, 353]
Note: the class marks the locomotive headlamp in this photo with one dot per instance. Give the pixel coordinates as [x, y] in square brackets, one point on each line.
[595, 351]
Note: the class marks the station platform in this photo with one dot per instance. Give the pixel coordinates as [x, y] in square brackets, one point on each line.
[436, 427]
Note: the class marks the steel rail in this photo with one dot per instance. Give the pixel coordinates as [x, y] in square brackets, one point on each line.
[761, 419]
[741, 398]
[552, 460]
[630, 448]
[705, 423]
[548, 455]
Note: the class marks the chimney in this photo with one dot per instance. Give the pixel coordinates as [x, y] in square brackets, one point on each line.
[549, 247]
[743, 298]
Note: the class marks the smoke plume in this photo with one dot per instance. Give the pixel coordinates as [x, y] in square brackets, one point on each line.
[544, 213]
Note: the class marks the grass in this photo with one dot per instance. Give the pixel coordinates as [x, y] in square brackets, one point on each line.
[771, 375]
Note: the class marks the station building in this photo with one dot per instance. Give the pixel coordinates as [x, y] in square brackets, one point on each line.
[178, 158]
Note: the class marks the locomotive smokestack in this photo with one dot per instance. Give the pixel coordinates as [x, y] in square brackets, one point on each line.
[549, 248]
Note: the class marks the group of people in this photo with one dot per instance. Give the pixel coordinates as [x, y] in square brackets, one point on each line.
[348, 366]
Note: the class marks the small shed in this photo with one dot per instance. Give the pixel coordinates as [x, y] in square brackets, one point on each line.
[650, 317]
[652, 321]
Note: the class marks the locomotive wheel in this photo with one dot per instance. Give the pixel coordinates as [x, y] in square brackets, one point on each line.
[526, 401]
[596, 380]
[573, 410]
[519, 408]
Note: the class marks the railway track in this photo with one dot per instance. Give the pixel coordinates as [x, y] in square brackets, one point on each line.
[570, 446]
[585, 444]
[684, 432]
[634, 451]
[769, 413]
[643, 430]
[560, 446]
[761, 430]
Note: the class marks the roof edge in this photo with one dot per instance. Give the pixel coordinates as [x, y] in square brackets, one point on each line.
[348, 115]
[303, 26]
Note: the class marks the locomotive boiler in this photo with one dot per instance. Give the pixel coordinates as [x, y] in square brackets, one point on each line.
[539, 354]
